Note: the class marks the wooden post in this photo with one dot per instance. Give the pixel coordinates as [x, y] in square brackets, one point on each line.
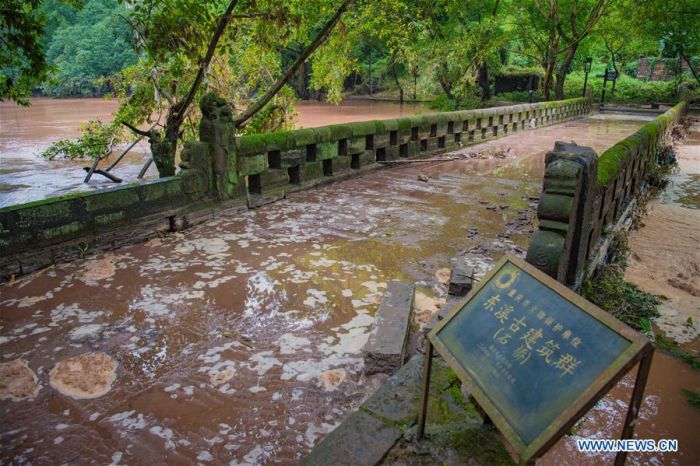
[635, 403]
[427, 367]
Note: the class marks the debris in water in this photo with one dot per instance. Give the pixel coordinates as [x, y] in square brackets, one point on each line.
[423, 178]
[17, 381]
[88, 375]
[96, 270]
[332, 379]
[221, 377]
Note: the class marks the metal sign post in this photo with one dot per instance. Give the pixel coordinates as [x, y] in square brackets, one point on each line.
[587, 68]
[609, 75]
[535, 357]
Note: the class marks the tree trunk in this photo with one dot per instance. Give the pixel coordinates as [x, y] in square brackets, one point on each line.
[396, 78]
[690, 65]
[445, 84]
[241, 119]
[563, 71]
[483, 79]
[415, 86]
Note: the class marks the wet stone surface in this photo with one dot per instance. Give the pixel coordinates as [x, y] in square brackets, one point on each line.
[241, 339]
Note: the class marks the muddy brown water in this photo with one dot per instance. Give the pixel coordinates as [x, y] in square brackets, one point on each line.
[240, 340]
[26, 131]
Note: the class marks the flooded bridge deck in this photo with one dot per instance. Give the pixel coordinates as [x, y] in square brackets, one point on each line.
[240, 340]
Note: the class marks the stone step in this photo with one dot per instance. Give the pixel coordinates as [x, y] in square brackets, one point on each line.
[385, 351]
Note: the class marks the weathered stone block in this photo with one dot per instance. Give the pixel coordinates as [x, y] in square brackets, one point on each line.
[271, 179]
[161, 189]
[64, 231]
[392, 153]
[360, 440]
[357, 145]
[381, 140]
[293, 158]
[326, 150]
[45, 213]
[461, 281]
[252, 164]
[386, 349]
[311, 170]
[112, 199]
[433, 144]
[106, 219]
[341, 164]
[397, 400]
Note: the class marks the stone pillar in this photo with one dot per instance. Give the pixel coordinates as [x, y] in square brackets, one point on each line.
[196, 171]
[560, 246]
[217, 130]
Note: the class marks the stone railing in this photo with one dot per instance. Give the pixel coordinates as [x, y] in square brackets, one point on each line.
[221, 171]
[278, 163]
[584, 196]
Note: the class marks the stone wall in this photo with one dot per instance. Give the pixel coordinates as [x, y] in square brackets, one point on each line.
[221, 171]
[278, 163]
[584, 196]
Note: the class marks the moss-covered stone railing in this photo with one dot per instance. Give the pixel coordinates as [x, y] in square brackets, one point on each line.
[278, 163]
[223, 171]
[43, 232]
[585, 195]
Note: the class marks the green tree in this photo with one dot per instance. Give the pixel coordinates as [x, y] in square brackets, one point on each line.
[551, 32]
[90, 46]
[22, 61]
[188, 48]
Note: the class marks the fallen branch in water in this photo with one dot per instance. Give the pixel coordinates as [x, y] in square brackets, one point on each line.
[113, 178]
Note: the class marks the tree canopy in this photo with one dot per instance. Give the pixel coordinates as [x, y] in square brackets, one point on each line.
[159, 57]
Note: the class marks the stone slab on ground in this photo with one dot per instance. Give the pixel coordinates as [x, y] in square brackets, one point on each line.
[360, 440]
[383, 430]
[386, 349]
[397, 400]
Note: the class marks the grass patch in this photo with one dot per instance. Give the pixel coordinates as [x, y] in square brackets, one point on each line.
[672, 349]
[693, 398]
[609, 290]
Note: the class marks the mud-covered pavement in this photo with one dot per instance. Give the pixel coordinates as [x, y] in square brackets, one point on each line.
[240, 340]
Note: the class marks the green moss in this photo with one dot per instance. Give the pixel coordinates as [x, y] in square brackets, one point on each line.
[340, 131]
[363, 128]
[390, 125]
[105, 219]
[41, 202]
[324, 134]
[478, 446]
[162, 189]
[405, 124]
[63, 230]
[112, 199]
[41, 214]
[611, 161]
[303, 137]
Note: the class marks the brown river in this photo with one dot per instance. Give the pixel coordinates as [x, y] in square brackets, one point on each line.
[240, 340]
[26, 131]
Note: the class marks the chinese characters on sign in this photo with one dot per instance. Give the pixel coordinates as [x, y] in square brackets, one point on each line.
[530, 350]
[528, 327]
